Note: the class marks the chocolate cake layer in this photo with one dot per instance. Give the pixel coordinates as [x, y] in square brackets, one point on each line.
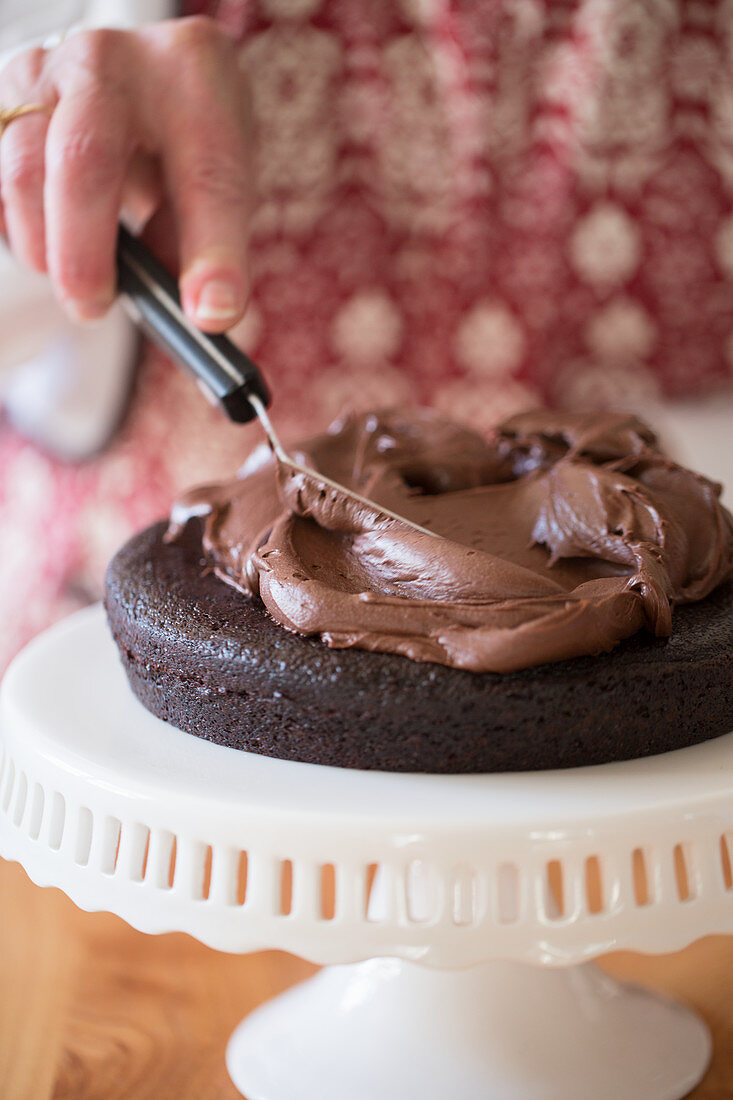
[202, 657]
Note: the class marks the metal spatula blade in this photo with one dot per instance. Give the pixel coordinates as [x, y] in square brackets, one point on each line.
[320, 479]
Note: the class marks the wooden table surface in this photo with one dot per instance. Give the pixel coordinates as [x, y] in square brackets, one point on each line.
[92, 1010]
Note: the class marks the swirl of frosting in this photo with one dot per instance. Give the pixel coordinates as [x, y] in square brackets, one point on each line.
[561, 535]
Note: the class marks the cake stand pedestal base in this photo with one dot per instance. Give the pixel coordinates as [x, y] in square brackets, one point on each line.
[388, 1030]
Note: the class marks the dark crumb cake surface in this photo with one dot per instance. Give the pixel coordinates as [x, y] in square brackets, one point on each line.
[201, 656]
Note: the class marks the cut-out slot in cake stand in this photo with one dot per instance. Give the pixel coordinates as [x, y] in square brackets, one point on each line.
[455, 915]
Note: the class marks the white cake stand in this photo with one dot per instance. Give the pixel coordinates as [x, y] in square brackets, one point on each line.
[477, 900]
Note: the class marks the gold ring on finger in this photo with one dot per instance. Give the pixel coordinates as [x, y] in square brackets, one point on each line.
[9, 114]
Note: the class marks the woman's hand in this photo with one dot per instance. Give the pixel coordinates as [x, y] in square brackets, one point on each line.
[151, 122]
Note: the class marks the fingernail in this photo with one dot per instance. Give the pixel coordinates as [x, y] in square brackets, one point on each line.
[82, 310]
[218, 300]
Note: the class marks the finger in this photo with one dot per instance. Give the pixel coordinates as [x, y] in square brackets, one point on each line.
[142, 192]
[87, 151]
[24, 80]
[22, 174]
[205, 161]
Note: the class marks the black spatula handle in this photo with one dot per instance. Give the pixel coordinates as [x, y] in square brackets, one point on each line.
[228, 374]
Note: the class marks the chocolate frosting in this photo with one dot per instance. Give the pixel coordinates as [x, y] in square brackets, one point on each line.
[561, 535]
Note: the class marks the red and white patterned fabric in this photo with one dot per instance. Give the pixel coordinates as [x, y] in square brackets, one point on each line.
[476, 204]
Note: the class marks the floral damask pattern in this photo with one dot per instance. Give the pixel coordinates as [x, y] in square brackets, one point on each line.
[470, 204]
[509, 181]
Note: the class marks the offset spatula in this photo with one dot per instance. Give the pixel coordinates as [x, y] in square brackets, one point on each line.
[225, 373]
